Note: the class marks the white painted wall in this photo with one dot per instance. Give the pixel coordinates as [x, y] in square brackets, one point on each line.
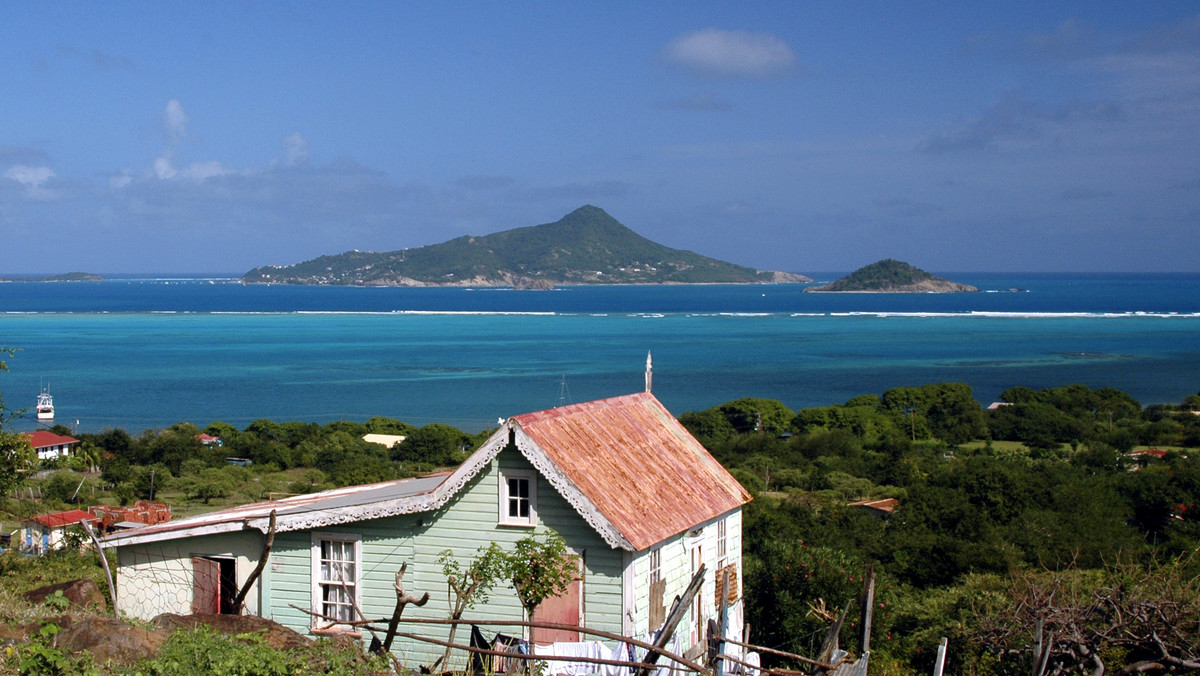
[677, 570]
[156, 578]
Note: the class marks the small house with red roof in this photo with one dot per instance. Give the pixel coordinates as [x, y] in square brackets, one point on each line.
[639, 500]
[881, 508]
[49, 445]
[46, 532]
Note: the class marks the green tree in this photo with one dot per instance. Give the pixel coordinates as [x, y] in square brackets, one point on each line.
[708, 426]
[767, 416]
[954, 415]
[470, 584]
[15, 451]
[795, 587]
[222, 430]
[434, 444]
[381, 425]
[209, 484]
[115, 441]
[61, 485]
[540, 569]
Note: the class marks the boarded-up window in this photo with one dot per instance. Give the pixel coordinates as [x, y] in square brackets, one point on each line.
[658, 590]
[729, 572]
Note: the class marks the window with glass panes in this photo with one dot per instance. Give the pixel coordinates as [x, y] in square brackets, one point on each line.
[518, 498]
[338, 579]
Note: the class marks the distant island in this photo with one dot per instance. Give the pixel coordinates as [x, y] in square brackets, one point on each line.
[67, 277]
[587, 246]
[891, 276]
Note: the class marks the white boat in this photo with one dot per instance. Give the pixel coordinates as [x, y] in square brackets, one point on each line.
[45, 406]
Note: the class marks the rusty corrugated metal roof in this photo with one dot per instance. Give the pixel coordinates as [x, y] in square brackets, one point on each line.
[637, 464]
[888, 505]
[233, 518]
[60, 519]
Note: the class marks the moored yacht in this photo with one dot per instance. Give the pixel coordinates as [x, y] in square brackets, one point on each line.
[45, 406]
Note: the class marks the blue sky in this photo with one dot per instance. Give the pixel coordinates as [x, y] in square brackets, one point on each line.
[798, 136]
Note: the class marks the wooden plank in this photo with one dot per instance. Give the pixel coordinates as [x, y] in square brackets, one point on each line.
[868, 610]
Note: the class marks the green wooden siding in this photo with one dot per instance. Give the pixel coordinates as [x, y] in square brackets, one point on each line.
[466, 523]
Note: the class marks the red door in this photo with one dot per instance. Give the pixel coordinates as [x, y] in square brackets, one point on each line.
[206, 586]
[564, 609]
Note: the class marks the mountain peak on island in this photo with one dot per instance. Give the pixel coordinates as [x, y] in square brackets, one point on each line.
[891, 276]
[586, 246]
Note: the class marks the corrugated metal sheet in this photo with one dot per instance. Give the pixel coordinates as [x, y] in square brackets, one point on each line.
[637, 464]
[855, 668]
[60, 519]
[336, 498]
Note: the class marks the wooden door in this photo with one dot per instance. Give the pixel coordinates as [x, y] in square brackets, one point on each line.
[206, 586]
[566, 608]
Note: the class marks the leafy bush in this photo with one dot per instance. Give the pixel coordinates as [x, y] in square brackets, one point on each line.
[204, 652]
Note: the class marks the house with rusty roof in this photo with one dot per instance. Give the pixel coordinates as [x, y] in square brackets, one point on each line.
[629, 490]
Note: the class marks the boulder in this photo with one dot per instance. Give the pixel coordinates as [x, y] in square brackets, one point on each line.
[83, 593]
[111, 639]
[274, 634]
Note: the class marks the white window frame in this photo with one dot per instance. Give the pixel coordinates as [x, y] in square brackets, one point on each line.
[354, 540]
[529, 476]
[655, 572]
[722, 544]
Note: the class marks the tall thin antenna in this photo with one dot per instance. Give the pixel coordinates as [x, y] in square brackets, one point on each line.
[649, 372]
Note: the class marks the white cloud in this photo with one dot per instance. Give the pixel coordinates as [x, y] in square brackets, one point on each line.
[163, 168]
[199, 171]
[30, 177]
[731, 53]
[175, 121]
[33, 178]
[295, 150]
[120, 179]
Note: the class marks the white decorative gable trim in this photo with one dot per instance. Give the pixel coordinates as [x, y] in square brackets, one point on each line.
[570, 492]
[426, 502]
[435, 499]
[315, 516]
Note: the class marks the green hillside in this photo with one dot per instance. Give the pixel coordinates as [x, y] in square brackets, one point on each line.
[587, 246]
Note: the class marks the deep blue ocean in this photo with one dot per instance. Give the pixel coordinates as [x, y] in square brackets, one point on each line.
[146, 352]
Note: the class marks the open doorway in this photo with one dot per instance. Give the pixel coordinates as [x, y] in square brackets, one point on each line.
[214, 585]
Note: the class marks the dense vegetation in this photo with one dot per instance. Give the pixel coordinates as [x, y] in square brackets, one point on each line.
[1034, 510]
[585, 246]
[1046, 508]
[890, 275]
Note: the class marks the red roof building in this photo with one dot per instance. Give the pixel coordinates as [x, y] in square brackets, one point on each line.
[620, 480]
[636, 464]
[882, 507]
[45, 532]
[49, 445]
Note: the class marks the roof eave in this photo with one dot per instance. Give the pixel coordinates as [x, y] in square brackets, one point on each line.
[135, 537]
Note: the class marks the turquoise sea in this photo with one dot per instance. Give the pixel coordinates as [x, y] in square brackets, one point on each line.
[146, 352]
